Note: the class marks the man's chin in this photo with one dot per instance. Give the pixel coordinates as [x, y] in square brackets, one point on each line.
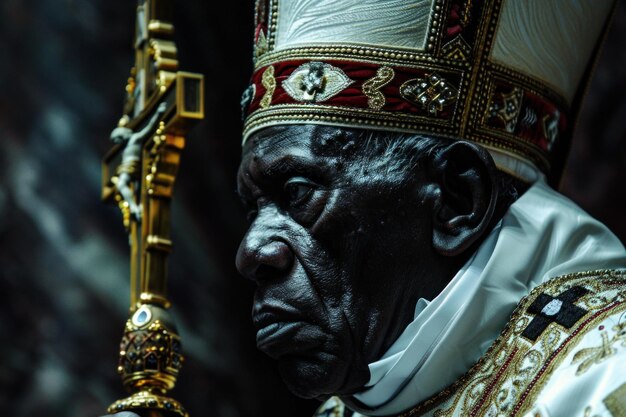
[320, 377]
[309, 378]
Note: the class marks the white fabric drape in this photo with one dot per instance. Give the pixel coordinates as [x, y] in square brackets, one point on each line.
[543, 235]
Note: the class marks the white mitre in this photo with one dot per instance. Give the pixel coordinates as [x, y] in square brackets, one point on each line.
[507, 74]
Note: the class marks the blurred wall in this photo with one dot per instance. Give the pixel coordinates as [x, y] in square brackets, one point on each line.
[63, 255]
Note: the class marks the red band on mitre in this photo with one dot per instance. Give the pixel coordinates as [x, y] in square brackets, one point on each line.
[537, 119]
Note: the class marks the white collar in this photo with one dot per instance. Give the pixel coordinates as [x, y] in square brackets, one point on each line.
[542, 235]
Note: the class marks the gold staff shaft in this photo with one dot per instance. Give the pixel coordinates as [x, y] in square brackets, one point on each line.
[139, 173]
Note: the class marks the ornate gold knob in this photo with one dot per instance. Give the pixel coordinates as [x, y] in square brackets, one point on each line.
[150, 359]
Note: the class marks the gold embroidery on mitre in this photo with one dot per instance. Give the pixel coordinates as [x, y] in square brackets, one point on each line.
[315, 82]
[261, 46]
[466, 15]
[432, 93]
[269, 82]
[551, 127]
[246, 98]
[508, 108]
[615, 402]
[457, 49]
[371, 87]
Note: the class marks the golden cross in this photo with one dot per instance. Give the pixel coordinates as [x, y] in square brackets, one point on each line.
[138, 174]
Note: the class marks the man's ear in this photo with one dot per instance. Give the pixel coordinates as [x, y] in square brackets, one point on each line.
[466, 197]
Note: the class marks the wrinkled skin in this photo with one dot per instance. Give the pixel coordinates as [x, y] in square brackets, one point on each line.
[342, 248]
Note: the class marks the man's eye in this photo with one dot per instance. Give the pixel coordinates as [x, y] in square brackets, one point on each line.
[298, 190]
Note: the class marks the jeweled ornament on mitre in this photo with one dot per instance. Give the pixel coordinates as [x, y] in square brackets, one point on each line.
[507, 74]
[315, 81]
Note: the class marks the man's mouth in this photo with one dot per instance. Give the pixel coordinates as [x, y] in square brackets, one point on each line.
[273, 334]
[279, 334]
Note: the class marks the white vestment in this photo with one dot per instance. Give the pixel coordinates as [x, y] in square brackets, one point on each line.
[564, 371]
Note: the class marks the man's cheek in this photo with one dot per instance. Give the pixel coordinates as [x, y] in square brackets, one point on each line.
[339, 220]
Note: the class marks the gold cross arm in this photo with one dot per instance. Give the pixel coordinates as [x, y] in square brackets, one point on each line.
[154, 175]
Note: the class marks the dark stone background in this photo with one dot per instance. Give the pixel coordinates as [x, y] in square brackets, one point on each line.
[63, 254]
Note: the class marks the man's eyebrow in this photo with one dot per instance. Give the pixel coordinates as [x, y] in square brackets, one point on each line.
[262, 177]
[282, 166]
[286, 165]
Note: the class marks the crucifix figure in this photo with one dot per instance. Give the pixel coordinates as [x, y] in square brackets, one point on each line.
[131, 156]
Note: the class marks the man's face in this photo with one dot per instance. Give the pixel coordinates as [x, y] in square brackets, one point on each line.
[340, 249]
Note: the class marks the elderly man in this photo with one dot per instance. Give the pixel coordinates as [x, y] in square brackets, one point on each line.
[410, 257]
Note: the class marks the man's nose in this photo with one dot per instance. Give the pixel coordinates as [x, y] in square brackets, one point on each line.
[260, 258]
